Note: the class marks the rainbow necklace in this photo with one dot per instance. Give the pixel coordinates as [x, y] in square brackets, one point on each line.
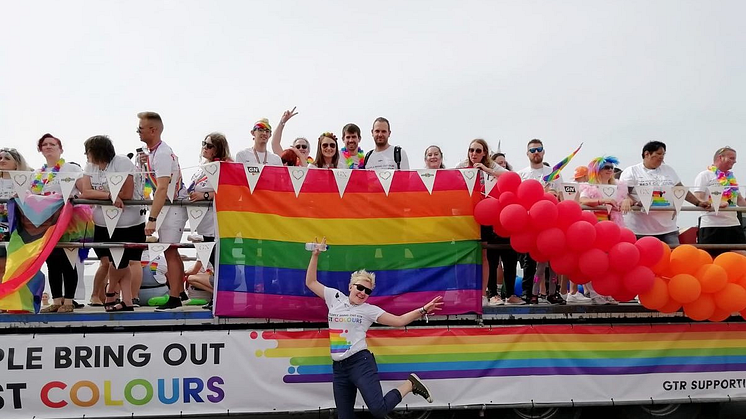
[37, 185]
[350, 158]
[730, 193]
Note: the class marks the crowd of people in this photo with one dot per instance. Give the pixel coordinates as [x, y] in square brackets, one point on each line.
[156, 174]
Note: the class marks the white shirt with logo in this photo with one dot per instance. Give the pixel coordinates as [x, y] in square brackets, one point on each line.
[248, 156]
[385, 160]
[348, 323]
[538, 174]
[165, 163]
[710, 219]
[657, 222]
[131, 215]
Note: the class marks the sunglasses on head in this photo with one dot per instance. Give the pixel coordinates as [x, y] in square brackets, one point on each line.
[328, 145]
[476, 150]
[301, 146]
[207, 145]
[363, 288]
[535, 150]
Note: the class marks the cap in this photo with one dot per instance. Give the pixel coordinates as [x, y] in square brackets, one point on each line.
[580, 172]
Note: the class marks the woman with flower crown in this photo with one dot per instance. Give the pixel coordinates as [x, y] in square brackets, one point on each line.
[327, 152]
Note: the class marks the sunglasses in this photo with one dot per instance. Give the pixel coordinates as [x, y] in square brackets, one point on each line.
[363, 288]
[301, 146]
[328, 145]
[535, 150]
[207, 145]
[608, 167]
[476, 150]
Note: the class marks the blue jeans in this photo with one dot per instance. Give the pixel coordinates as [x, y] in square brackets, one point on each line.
[360, 372]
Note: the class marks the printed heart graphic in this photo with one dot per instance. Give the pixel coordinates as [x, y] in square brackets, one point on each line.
[116, 179]
[195, 213]
[470, 174]
[679, 193]
[385, 175]
[158, 248]
[297, 174]
[211, 168]
[609, 191]
[20, 180]
[112, 213]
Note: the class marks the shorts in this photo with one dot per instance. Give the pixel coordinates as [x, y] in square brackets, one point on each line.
[172, 228]
[721, 235]
[134, 234]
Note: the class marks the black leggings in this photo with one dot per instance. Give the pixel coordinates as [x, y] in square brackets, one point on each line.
[60, 271]
[510, 259]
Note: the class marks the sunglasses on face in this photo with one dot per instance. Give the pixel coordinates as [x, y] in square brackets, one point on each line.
[301, 146]
[608, 167]
[207, 145]
[363, 288]
[328, 145]
[476, 150]
[533, 150]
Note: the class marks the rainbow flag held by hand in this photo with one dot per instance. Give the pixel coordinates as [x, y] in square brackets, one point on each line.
[561, 165]
[419, 245]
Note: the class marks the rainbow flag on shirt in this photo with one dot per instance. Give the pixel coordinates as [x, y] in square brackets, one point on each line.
[419, 245]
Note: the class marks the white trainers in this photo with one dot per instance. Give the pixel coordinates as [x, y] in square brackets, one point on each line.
[577, 298]
[485, 301]
[495, 301]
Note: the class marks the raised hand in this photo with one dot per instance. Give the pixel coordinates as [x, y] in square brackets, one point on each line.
[287, 115]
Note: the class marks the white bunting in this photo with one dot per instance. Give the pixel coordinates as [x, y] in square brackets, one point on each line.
[645, 193]
[489, 182]
[342, 177]
[428, 178]
[159, 219]
[156, 249]
[171, 191]
[385, 176]
[716, 195]
[67, 182]
[570, 191]
[678, 195]
[203, 252]
[253, 172]
[196, 214]
[72, 256]
[212, 171]
[111, 216]
[21, 183]
[609, 191]
[297, 177]
[470, 177]
[116, 255]
[116, 181]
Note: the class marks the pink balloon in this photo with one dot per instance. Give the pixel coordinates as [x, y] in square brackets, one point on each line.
[529, 192]
[508, 182]
[551, 242]
[486, 211]
[568, 212]
[623, 256]
[580, 236]
[590, 217]
[543, 215]
[593, 262]
[650, 249]
[626, 235]
[523, 242]
[639, 280]
[607, 235]
[608, 284]
[551, 198]
[514, 218]
[564, 264]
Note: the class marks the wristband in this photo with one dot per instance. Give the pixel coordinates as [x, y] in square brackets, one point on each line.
[153, 219]
[423, 311]
[207, 196]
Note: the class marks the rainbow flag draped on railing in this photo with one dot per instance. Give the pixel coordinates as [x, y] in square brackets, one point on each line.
[419, 245]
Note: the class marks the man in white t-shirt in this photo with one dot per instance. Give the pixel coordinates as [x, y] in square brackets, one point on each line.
[653, 172]
[723, 227]
[385, 156]
[163, 167]
[259, 153]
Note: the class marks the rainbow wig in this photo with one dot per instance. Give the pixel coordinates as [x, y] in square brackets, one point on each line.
[262, 124]
[596, 164]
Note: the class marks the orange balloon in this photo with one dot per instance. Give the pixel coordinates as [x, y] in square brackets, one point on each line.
[743, 314]
[742, 281]
[662, 266]
[700, 309]
[671, 307]
[704, 257]
[684, 288]
[657, 296]
[712, 277]
[733, 263]
[732, 298]
[719, 315]
[685, 259]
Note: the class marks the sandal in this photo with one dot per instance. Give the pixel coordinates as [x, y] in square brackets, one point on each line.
[66, 308]
[109, 304]
[53, 308]
[122, 307]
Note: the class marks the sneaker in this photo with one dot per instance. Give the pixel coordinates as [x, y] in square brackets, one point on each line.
[419, 388]
[208, 306]
[611, 301]
[495, 301]
[577, 298]
[534, 300]
[514, 301]
[184, 298]
[485, 301]
[543, 299]
[173, 304]
[77, 304]
[135, 302]
[599, 300]
[556, 299]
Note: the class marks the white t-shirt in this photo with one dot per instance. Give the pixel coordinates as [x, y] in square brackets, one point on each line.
[538, 174]
[710, 219]
[53, 186]
[131, 215]
[248, 156]
[657, 222]
[200, 185]
[164, 162]
[348, 323]
[385, 160]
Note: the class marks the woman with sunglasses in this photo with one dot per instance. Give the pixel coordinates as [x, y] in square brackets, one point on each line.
[10, 160]
[300, 144]
[601, 172]
[327, 152]
[434, 158]
[354, 366]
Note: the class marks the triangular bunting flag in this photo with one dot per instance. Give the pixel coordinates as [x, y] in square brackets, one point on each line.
[111, 216]
[159, 219]
[489, 182]
[203, 252]
[677, 196]
[608, 191]
[171, 191]
[116, 255]
[115, 181]
[253, 172]
[716, 195]
[212, 171]
[196, 214]
[67, 182]
[645, 193]
[342, 177]
[72, 256]
[156, 249]
[470, 177]
[21, 183]
[297, 177]
[570, 191]
[385, 176]
[428, 178]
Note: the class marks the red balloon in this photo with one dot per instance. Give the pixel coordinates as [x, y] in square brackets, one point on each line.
[508, 182]
[551, 198]
[529, 192]
[514, 218]
[593, 262]
[650, 249]
[624, 295]
[623, 256]
[580, 236]
[607, 235]
[607, 284]
[568, 212]
[523, 242]
[639, 280]
[580, 278]
[543, 215]
[538, 256]
[589, 216]
[625, 235]
[499, 229]
[486, 211]
[565, 263]
[507, 198]
[550, 242]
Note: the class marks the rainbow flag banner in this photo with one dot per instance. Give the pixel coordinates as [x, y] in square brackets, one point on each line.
[419, 244]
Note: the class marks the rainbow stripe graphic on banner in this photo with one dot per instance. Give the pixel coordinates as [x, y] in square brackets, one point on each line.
[659, 200]
[441, 353]
[420, 245]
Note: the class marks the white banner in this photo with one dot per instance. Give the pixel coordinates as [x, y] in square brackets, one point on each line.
[342, 177]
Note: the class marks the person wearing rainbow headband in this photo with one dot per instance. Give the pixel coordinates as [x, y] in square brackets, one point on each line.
[723, 227]
[601, 172]
[259, 153]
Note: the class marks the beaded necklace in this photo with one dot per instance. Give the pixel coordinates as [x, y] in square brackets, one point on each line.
[350, 159]
[730, 193]
[37, 185]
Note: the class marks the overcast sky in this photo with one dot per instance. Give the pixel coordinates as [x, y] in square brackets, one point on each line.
[612, 74]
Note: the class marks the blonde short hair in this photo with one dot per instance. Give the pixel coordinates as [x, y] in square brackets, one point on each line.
[363, 275]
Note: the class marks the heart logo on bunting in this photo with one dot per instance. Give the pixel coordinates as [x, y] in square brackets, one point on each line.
[469, 174]
[385, 174]
[112, 213]
[20, 180]
[298, 174]
[195, 212]
[609, 191]
[116, 179]
[211, 169]
[679, 193]
[158, 247]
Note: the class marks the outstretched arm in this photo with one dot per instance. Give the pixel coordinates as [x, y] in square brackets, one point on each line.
[277, 135]
[312, 281]
[389, 319]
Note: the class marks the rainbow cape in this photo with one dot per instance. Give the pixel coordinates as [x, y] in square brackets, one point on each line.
[561, 165]
[419, 245]
[21, 287]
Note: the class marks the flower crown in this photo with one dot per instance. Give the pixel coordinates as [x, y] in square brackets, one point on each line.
[328, 134]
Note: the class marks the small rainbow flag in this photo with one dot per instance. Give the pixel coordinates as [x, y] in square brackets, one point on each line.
[561, 165]
[419, 245]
